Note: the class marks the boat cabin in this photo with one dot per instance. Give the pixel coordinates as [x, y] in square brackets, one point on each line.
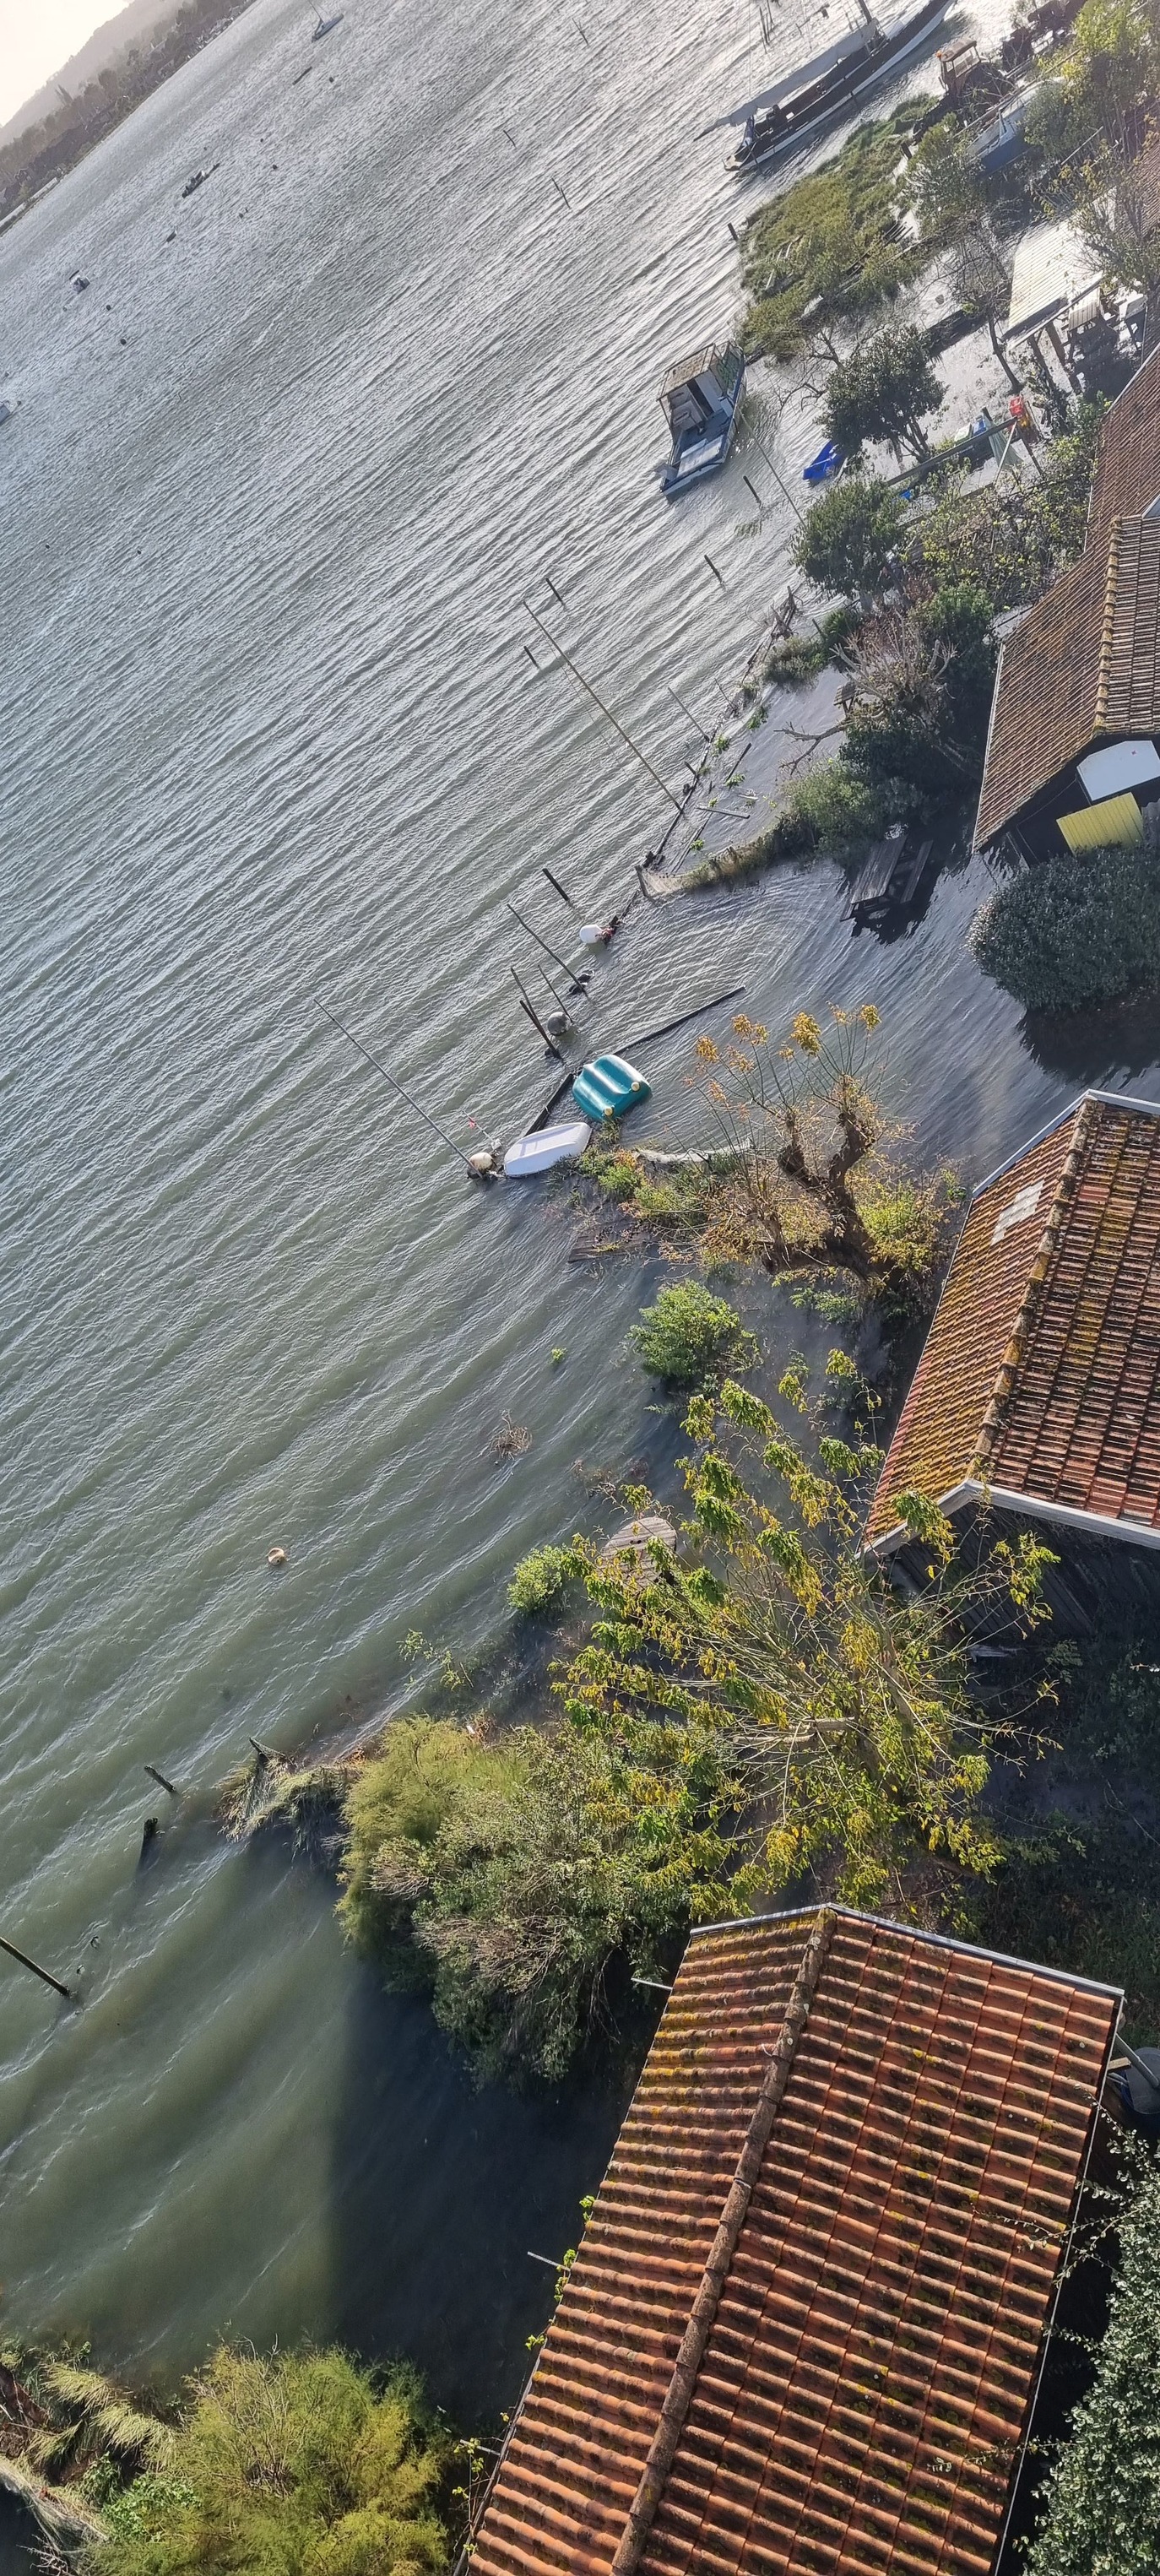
[701, 399]
[700, 388]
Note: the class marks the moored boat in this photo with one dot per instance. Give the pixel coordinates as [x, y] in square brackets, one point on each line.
[545, 1147]
[831, 81]
[610, 1087]
[701, 399]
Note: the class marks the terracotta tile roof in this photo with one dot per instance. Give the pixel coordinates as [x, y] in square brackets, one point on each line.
[1041, 1372]
[1127, 475]
[1082, 665]
[829, 2365]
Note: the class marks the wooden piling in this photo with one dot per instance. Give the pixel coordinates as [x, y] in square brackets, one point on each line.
[45, 1974]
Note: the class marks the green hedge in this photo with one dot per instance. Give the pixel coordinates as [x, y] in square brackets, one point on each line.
[1074, 931]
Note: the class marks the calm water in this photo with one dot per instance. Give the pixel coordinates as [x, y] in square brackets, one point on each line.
[269, 504]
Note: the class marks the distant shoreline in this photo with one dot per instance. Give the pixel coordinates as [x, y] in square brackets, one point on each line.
[48, 148]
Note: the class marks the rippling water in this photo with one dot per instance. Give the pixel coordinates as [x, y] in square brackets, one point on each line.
[271, 498]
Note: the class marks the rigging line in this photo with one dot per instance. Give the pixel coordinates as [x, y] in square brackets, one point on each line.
[396, 1085]
[634, 747]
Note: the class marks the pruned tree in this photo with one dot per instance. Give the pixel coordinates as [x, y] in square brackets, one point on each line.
[807, 1185]
[849, 1711]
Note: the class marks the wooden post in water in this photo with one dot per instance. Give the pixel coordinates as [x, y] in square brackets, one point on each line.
[535, 1019]
[44, 1974]
[598, 701]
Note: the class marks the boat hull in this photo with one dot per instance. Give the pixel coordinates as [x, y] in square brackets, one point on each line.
[849, 84]
[693, 460]
[545, 1147]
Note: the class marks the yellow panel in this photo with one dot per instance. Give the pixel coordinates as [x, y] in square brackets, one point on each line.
[1117, 824]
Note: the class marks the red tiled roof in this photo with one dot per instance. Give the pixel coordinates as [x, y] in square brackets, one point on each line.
[1080, 668]
[1041, 1372]
[1127, 475]
[813, 2291]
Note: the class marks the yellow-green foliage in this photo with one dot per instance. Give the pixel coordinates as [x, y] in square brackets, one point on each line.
[290, 2466]
[505, 1872]
[87, 2417]
[539, 1581]
[834, 236]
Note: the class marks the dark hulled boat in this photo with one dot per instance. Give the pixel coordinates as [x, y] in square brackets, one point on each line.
[831, 81]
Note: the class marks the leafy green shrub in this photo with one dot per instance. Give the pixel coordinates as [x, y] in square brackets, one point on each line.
[838, 808]
[1073, 931]
[883, 392]
[1102, 2503]
[826, 810]
[848, 537]
[690, 1338]
[287, 2463]
[831, 242]
[503, 1874]
[539, 1580]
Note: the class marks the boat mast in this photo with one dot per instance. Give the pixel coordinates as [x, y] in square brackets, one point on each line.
[871, 20]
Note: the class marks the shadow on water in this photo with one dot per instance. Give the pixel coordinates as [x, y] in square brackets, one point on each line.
[20, 2541]
[1105, 1049]
[439, 2190]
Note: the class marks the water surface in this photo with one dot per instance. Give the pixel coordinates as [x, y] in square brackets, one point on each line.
[274, 492]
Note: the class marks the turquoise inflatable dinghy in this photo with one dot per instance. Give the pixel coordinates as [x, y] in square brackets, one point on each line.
[609, 1088]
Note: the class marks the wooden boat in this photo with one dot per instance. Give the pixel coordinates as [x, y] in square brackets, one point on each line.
[701, 399]
[831, 81]
[610, 1087]
[545, 1147]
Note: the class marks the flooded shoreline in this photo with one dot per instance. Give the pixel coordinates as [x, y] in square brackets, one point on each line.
[272, 733]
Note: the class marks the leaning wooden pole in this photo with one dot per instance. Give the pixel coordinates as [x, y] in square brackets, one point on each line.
[663, 2447]
[43, 1973]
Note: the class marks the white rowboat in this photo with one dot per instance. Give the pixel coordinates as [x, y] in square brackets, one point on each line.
[547, 1146]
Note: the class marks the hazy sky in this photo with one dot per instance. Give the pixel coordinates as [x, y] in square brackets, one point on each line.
[36, 37]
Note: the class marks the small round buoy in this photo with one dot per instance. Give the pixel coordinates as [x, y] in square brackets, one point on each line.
[276, 1556]
[482, 1166]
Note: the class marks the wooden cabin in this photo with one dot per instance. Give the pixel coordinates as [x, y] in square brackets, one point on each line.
[1073, 753]
[1036, 1402]
[701, 388]
[805, 2325]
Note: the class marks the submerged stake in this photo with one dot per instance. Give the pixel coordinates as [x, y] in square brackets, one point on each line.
[598, 701]
[43, 1973]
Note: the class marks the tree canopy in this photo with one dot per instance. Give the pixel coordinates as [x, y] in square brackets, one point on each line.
[849, 537]
[883, 392]
[1101, 2512]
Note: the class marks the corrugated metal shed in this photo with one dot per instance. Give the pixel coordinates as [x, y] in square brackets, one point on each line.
[1041, 1373]
[804, 2327]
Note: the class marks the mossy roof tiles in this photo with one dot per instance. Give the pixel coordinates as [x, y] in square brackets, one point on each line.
[866, 2379]
[1081, 667]
[1041, 1371]
[1127, 475]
